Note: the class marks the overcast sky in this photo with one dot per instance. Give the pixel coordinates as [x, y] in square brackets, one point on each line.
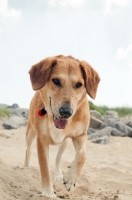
[97, 31]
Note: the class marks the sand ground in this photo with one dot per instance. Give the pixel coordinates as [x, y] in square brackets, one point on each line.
[106, 175]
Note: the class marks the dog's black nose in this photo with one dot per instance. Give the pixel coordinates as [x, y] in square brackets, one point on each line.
[65, 111]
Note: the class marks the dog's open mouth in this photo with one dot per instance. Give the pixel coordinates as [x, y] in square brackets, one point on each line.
[60, 123]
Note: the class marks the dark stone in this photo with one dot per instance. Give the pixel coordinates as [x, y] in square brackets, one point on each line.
[127, 121]
[91, 130]
[95, 123]
[126, 130]
[14, 122]
[116, 132]
[20, 112]
[15, 105]
[101, 140]
[110, 114]
[96, 114]
[100, 133]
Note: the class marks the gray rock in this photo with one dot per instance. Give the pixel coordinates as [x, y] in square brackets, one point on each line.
[14, 122]
[20, 112]
[126, 130]
[96, 114]
[110, 114]
[130, 134]
[95, 123]
[91, 130]
[111, 122]
[15, 105]
[127, 121]
[116, 132]
[101, 133]
[101, 140]
[103, 125]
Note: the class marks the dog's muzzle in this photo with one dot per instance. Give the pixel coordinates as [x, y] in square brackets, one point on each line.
[65, 112]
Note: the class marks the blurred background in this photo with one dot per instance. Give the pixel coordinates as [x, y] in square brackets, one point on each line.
[97, 31]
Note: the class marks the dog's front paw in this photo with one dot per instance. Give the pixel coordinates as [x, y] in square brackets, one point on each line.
[70, 180]
[58, 176]
[48, 192]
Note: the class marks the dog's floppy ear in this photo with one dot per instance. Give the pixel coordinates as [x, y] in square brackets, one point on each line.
[39, 73]
[91, 79]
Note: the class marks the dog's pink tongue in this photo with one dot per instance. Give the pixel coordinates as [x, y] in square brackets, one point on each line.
[60, 123]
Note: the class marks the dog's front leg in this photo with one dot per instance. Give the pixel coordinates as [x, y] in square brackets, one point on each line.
[58, 173]
[73, 173]
[43, 154]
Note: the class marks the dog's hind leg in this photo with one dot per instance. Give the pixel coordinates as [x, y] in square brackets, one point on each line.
[58, 173]
[30, 136]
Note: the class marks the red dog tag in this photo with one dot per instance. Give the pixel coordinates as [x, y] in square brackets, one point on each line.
[41, 112]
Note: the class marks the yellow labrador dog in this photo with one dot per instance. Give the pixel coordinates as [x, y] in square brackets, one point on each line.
[60, 110]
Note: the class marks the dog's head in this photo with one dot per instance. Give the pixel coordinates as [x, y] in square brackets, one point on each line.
[63, 82]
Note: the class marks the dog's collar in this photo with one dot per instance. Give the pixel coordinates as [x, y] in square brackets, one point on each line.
[42, 112]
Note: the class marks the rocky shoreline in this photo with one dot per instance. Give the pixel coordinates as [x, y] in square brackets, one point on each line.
[18, 116]
[103, 126]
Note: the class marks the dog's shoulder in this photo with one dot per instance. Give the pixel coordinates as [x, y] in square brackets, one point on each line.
[36, 102]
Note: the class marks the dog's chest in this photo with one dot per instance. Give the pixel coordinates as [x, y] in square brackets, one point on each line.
[57, 135]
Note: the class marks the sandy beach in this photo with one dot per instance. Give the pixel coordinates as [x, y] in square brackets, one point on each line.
[106, 175]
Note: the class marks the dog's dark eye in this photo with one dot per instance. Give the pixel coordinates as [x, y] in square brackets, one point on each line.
[56, 81]
[78, 85]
